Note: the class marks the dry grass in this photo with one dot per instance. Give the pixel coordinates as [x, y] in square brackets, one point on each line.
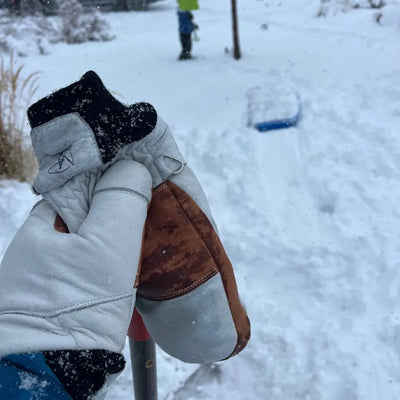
[16, 156]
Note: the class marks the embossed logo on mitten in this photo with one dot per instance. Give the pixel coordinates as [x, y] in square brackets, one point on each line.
[64, 162]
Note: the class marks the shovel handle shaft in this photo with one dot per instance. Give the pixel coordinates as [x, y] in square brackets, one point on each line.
[143, 360]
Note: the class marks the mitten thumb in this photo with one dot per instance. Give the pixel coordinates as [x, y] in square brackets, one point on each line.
[119, 206]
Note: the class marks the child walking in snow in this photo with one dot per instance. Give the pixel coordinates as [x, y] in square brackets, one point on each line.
[186, 26]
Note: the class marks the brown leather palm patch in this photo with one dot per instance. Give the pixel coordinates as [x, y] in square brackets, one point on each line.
[181, 250]
[174, 258]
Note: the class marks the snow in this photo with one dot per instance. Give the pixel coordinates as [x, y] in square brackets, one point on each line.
[308, 215]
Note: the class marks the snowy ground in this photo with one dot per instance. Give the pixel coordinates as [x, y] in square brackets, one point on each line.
[308, 215]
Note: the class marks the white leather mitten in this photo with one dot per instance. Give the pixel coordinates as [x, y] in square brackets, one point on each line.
[187, 293]
[75, 291]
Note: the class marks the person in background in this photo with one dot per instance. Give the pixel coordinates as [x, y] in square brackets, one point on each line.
[186, 26]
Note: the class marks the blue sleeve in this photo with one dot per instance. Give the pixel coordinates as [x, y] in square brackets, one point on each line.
[27, 376]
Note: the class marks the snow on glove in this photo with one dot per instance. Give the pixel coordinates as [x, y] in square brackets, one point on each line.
[75, 291]
[187, 293]
[77, 132]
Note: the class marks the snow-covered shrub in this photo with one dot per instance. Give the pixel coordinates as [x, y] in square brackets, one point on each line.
[27, 35]
[389, 15]
[334, 6]
[32, 34]
[16, 155]
[30, 7]
[383, 12]
[78, 27]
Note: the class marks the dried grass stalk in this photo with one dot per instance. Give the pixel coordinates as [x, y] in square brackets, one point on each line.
[16, 92]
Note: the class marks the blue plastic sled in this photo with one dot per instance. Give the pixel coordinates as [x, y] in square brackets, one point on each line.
[278, 123]
[271, 109]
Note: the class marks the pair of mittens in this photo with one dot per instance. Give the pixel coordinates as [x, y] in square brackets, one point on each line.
[186, 293]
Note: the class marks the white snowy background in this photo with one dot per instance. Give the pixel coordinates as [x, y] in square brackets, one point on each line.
[309, 215]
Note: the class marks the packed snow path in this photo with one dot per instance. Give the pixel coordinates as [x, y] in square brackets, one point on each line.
[309, 215]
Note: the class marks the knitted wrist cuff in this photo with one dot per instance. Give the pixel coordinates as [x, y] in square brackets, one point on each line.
[113, 124]
[83, 372]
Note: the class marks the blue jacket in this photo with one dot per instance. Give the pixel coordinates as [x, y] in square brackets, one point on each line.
[27, 376]
[186, 24]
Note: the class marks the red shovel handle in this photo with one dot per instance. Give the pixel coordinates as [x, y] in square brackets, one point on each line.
[137, 330]
[143, 359]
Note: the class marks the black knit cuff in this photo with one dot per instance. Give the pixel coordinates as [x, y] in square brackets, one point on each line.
[113, 124]
[84, 372]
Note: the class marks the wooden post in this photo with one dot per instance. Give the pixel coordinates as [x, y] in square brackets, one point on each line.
[236, 46]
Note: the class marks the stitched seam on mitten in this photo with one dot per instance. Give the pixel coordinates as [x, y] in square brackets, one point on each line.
[125, 191]
[70, 308]
[188, 289]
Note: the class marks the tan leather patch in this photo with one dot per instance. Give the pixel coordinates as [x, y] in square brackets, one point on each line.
[174, 258]
[181, 250]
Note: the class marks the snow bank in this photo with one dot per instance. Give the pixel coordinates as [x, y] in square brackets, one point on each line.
[16, 200]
